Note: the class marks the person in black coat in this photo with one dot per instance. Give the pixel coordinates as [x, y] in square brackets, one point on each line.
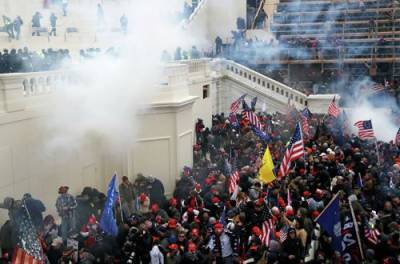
[35, 208]
[156, 191]
[292, 249]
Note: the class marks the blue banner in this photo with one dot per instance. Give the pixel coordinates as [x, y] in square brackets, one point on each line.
[107, 221]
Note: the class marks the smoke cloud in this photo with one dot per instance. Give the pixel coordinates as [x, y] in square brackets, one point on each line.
[110, 91]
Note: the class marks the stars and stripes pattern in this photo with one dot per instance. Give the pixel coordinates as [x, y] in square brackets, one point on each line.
[294, 151]
[333, 110]
[21, 257]
[283, 233]
[236, 104]
[252, 118]
[397, 139]
[371, 234]
[29, 249]
[234, 181]
[267, 230]
[305, 126]
[365, 129]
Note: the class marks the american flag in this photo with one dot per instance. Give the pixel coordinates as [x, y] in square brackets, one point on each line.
[267, 230]
[236, 104]
[294, 151]
[371, 234]
[365, 129]
[234, 181]
[397, 139]
[252, 118]
[333, 110]
[305, 125]
[29, 249]
[283, 233]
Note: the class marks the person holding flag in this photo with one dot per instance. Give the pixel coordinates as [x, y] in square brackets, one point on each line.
[108, 222]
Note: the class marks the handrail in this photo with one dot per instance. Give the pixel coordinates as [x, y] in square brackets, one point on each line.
[264, 84]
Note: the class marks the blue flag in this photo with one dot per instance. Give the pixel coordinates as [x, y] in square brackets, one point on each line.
[329, 220]
[262, 135]
[222, 218]
[107, 221]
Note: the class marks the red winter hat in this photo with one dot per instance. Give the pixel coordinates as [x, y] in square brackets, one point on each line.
[155, 208]
[92, 220]
[289, 212]
[256, 231]
[172, 223]
[314, 214]
[218, 226]
[173, 202]
[260, 202]
[281, 202]
[306, 194]
[142, 197]
[215, 200]
[173, 246]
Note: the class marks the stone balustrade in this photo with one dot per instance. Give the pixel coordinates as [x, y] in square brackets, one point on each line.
[22, 90]
[18, 88]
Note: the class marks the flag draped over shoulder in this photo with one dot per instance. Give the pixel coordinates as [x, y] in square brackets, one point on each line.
[107, 221]
[329, 220]
[29, 249]
[266, 173]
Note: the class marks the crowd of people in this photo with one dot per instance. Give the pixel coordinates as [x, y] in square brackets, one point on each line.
[24, 60]
[207, 222]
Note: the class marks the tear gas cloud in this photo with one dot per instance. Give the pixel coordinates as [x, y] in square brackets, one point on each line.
[111, 90]
[379, 108]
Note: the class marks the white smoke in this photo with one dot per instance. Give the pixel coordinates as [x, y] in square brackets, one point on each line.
[110, 91]
[377, 108]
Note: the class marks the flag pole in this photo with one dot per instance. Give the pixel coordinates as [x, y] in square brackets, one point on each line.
[356, 227]
[119, 196]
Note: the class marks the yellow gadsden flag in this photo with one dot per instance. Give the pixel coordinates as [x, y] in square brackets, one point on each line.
[266, 173]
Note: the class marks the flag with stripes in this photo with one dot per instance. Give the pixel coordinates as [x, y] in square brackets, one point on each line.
[333, 110]
[252, 118]
[20, 256]
[365, 129]
[371, 234]
[294, 151]
[29, 249]
[236, 104]
[304, 124]
[397, 139]
[283, 233]
[267, 231]
[234, 181]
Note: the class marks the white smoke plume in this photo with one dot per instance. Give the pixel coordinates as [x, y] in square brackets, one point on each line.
[379, 108]
[110, 92]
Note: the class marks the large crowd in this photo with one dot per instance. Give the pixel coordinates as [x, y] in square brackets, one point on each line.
[205, 222]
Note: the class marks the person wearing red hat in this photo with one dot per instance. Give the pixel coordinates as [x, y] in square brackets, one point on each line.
[195, 237]
[173, 256]
[220, 245]
[144, 203]
[173, 208]
[158, 213]
[192, 256]
[90, 231]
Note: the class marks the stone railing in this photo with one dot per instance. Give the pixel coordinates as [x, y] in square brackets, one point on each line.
[198, 68]
[17, 88]
[274, 89]
[263, 84]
